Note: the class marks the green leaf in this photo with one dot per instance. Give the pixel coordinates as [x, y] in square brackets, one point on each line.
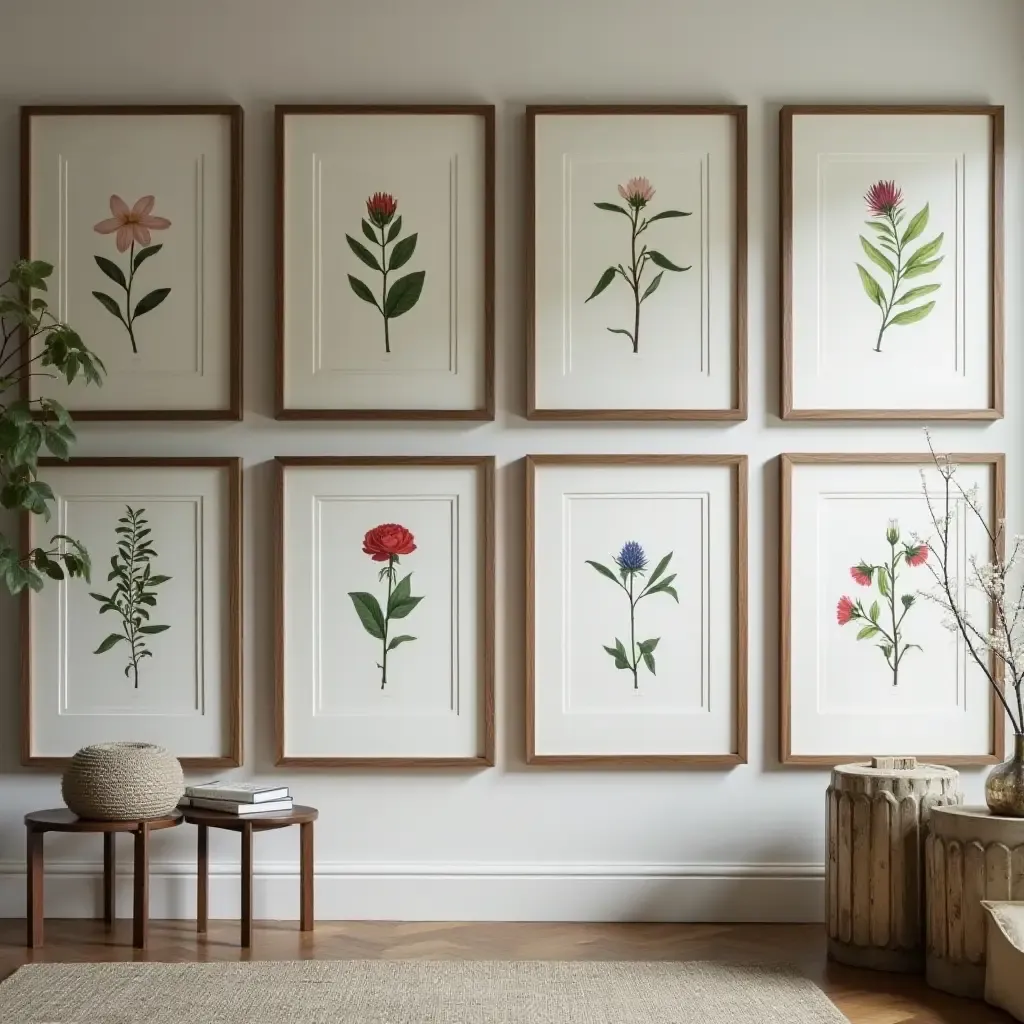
[368, 231]
[653, 286]
[867, 632]
[369, 613]
[923, 268]
[883, 582]
[404, 293]
[659, 569]
[667, 213]
[649, 662]
[143, 254]
[873, 612]
[155, 581]
[112, 270]
[57, 445]
[647, 646]
[877, 257]
[363, 253]
[911, 316]
[612, 208]
[620, 330]
[395, 229]
[664, 587]
[401, 592]
[604, 571]
[399, 611]
[663, 261]
[151, 301]
[149, 630]
[362, 291]
[109, 304]
[399, 640]
[606, 279]
[110, 641]
[926, 252]
[882, 227]
[872, 287]
[402, 252]
[916, 226]
[917, 293]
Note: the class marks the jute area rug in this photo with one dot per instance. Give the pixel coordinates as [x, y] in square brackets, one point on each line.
[412, 992]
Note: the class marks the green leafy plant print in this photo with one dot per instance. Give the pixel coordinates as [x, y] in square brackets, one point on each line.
[631, 562]
[134, 594]
[885, 203]
[637, 192]
[403, 293]
[885, 577]
[385, 543]
[132, 227]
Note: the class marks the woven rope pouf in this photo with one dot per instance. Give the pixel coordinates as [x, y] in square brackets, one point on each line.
[122, 782]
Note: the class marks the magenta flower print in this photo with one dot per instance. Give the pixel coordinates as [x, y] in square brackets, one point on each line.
[404, 293]
[637, 192]
[889, 252]
[885, 622]
[131, 227]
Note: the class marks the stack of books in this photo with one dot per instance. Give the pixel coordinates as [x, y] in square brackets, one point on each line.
[237, 797]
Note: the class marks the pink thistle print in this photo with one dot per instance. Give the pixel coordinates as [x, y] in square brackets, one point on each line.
[882, 198]
[862, 574]
[845, 611]
[637, 192]
[916, 556]
[130, 226]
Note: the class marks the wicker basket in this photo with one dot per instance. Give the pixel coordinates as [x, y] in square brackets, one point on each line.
[122, 782]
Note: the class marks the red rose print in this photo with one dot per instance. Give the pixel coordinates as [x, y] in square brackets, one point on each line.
[386, 540]
[381, 207]
[862, 574]
[844, 611]
[918, 555]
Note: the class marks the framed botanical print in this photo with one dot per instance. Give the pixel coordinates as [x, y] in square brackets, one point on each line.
[636, 610]
[892, 262]
[636, 262]
[385, 608]
[139, 210]
[385, 248]
[150, 649]
[868, 665]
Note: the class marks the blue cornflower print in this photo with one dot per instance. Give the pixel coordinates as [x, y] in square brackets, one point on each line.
[632, 562]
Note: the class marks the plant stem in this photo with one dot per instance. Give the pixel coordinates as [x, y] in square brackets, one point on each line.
[384, 289]
[636, 285]
[129, 319]
[896, 280]
[129, 614]
[632, 634]
[387, 607]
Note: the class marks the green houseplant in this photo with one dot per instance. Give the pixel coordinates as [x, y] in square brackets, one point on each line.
[27, 426]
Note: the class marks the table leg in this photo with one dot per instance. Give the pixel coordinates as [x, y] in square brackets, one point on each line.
[247, 884]
[203, 881]
[306, 876]
[109, 861]
[34, 888]
[140, 931]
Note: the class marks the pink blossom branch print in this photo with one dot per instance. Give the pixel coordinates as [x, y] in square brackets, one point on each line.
[886, 577]
[132, 227]
[885, 204]
[637, 192]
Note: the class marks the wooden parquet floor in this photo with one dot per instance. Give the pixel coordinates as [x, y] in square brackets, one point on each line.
[865, 997]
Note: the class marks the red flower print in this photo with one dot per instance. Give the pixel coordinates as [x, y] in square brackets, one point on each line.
[845, 611]
[386, 541]
[380, 208]
[132, 225]
[882, 198]
[862, 574]
[918, 555]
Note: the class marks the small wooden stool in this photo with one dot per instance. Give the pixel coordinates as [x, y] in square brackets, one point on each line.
[247, 824]
[60, 819]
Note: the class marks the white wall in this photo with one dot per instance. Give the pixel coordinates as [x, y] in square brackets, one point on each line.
[509, 842]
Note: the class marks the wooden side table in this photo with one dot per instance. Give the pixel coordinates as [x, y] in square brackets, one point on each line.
[247, 824]
[60, 819]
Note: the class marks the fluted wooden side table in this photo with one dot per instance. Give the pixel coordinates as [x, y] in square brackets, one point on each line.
[877, 821]
[971, 856]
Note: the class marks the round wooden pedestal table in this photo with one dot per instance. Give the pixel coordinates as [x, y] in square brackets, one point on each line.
[971, 856]
[877, 822]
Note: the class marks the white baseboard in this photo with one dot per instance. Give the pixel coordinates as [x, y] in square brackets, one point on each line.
[783, 893]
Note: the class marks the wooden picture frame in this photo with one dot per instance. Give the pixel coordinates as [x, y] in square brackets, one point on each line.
[209, 189]
[730, 308]
[472, 361]
[991, 470]
[640, 471]
[217, 515]
[971, 385]
[404, 479]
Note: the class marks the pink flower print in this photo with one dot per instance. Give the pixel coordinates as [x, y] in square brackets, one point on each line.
[882, 198]
[917, 556]
[862, 574]
[637, 192]
[132, 225]
[845, 611]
